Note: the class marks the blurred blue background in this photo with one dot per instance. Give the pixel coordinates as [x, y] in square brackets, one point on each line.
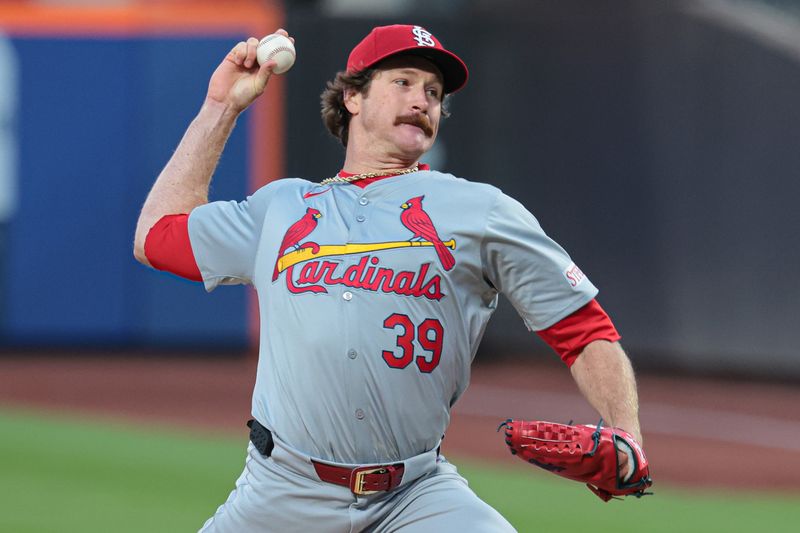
[656, 141]
[97, 119]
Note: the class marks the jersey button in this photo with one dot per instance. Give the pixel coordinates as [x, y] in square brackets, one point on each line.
[363, 201]
[352, 354]
[347, 296]
[360, 414]
[361, 218]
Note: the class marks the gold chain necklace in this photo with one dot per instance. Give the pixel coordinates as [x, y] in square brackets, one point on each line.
[367, 175]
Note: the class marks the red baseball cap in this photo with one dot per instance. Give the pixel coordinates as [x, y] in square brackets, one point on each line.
[386, 41]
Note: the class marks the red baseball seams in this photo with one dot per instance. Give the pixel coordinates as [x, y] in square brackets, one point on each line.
[315, 274]
[569, 336]
[417, 220]
[168, 248]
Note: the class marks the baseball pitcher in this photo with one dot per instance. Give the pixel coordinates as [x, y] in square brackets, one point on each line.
[375, 284]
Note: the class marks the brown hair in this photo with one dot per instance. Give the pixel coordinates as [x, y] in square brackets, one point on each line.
[335, 115]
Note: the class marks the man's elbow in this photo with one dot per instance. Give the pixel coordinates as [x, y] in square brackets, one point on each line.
[138, 253]
[139, 239]
[143, 226]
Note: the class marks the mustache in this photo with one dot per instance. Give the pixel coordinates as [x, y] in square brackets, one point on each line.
[419, 120]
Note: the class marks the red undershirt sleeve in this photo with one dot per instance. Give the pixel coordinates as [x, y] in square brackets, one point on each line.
[168, 248]
[569, 336]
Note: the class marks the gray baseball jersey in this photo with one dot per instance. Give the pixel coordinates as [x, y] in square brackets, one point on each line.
[373, 301]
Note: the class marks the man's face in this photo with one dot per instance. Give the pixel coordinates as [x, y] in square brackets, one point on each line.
[401, 111]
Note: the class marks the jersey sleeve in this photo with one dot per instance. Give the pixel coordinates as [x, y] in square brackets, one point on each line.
[570, 335]
[533, 271]
[167, 247]
[225, 238]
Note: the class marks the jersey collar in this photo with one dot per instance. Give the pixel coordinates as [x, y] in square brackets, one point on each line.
[363, 183]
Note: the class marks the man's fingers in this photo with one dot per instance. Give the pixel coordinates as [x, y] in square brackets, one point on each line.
[244, 53]
[262, 76]
[250, 52]
[285, 34]
[238, 53]
[624, 465]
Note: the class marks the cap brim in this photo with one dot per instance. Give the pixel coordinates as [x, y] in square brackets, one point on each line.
[453, 70]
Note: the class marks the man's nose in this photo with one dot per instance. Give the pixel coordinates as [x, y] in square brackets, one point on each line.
[419, 100]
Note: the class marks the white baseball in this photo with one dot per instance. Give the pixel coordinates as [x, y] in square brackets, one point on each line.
[278, 48]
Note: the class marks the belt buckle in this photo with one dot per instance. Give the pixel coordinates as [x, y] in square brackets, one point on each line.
[357, 480]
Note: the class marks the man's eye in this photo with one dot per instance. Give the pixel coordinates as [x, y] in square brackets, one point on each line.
[434, 92]
[401, 81]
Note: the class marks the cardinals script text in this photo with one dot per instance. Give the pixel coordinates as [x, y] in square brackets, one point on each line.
[367, 274]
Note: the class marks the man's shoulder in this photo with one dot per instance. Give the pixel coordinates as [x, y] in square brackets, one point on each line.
[476, 195]
[282, 186]
[465, 184]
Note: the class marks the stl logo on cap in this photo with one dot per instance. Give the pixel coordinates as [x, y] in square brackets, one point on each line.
[387, 41]
[423, 36]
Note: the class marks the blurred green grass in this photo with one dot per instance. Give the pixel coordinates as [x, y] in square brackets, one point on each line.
[61, 474]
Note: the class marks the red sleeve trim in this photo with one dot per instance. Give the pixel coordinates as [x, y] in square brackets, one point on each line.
[569, 336]
[167, 247]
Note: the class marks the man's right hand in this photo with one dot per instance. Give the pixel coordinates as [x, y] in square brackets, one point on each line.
[239, 79]
[183, 183]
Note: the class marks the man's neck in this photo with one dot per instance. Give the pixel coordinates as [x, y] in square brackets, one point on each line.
[359, 161]
[361, 167]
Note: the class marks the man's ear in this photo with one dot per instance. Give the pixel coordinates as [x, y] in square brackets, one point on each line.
[352, 100]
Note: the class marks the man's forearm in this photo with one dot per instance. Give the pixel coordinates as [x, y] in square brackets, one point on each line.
[605, 377]
[183, 183]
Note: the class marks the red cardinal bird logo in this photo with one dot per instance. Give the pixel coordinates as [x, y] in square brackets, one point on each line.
[420, 224]
[297, 232]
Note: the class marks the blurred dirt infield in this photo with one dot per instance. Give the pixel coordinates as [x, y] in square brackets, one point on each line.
[702, 433]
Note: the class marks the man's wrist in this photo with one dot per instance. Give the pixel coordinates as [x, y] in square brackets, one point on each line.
[219, 111]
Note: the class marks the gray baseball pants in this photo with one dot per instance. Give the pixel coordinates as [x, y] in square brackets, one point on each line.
[282, 493]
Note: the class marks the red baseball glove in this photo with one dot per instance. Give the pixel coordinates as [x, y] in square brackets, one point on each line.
[582, 453]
